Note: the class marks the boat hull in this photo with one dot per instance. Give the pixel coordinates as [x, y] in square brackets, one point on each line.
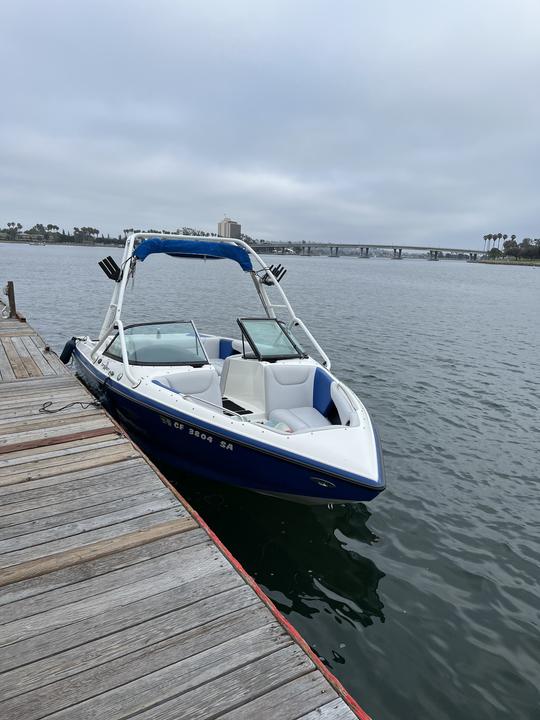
[198, 448]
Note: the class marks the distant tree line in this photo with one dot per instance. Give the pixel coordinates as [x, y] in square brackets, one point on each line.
[52, 233]
[527, 249]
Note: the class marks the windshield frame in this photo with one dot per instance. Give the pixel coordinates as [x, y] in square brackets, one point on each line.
[198, 341]
[300, 354]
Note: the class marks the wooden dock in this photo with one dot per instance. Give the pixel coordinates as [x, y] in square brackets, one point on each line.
[116, 600]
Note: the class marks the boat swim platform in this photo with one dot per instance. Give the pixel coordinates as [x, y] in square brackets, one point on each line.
[116, 599]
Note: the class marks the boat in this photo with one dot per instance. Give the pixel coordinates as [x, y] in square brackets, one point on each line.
[255, 411]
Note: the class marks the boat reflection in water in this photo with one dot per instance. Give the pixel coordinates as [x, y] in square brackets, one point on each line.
[312, 561]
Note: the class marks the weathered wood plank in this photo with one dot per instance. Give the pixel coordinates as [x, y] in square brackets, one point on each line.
[10, 398]
[35, 384]
[13, 406]
[37, 387]
[6, 371]
[31, 368]
[145, 504]
[120, 577]
[71, 485]
[116, 450]
[335, 710]
[197, 561]
[14, 360]
[41, 420]
[10, 436]
[20, 457]
[130, 614]
[21, 407]
[12, 596]
[53, 359]
[48, 516]
[217, 680]
[18, 333]
[139, 650]
[180, 677]
[37, 356]
[286, 702]
[93, 429]
[76, 541]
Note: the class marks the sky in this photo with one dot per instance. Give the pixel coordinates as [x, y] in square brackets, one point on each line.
[313, 120]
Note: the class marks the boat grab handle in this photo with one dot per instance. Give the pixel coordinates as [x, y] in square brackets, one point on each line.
[219, 407]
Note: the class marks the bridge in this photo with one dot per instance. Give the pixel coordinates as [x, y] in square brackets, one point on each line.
[305, 248]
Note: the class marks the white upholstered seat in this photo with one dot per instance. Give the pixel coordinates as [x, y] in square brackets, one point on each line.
[200, 384]
[288, 386]
[302, 418]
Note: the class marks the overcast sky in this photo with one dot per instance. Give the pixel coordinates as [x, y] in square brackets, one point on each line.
[316, 120]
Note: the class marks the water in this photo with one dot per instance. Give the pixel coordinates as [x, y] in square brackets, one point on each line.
[425, 602]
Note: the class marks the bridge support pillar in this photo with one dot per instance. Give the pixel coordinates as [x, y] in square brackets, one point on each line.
[399, 253]
[395, 253]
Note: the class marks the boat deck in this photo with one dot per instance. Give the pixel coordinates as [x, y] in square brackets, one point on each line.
[116, 601]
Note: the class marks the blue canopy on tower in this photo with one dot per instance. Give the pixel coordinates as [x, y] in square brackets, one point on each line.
[194, 248]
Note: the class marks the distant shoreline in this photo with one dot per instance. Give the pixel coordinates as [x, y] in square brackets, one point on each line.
[515, 263]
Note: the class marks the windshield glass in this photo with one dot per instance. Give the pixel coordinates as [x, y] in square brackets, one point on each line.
[169, 343]
[269, 340]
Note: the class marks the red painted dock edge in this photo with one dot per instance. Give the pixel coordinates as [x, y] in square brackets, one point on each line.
[293, 632]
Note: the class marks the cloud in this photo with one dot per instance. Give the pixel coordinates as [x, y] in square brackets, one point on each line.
[303, 120]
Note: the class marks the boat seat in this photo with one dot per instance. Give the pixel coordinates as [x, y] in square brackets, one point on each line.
[302, 418]
[201, 384]
[217, 363]
[288, 386]
[217, 349]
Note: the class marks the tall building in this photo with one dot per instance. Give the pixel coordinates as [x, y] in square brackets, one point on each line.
[229, 228]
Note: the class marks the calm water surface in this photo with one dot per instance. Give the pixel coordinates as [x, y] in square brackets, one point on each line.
[425, 603]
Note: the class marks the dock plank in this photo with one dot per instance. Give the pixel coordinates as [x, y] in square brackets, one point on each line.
[63, 512]
[6, 371]
[197, 563]
[287, 701]
[229, 688]
[85, 588]
[13, 357]
[143, 505]
[81, 539]
[30, 366]
[77, 634]
[266, 647]
[138, 650]
[335, 710]
[29, 342]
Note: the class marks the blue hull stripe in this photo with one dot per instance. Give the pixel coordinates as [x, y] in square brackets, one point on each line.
[175, 414]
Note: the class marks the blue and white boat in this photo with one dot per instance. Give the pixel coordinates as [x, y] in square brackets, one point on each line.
[256, 411]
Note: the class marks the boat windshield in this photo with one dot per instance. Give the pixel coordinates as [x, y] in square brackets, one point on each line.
[269, 339]
[168, 343]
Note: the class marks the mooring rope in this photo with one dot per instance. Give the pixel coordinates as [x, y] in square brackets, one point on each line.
[45, 408]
